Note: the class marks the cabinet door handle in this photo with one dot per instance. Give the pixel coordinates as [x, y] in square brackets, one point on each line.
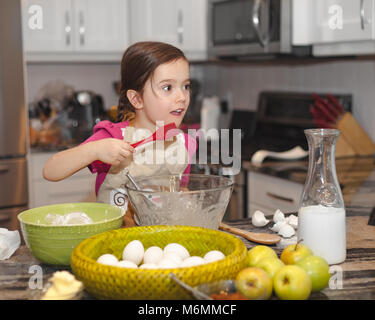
[263, 40]
[180, 27]
[81, 28]
[68, 28]
[362, 14]
[275, 196]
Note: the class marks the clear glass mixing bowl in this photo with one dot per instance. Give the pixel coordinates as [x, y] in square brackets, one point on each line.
[186, 199]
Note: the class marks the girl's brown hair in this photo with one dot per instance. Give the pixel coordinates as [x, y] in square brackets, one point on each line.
[137, 65]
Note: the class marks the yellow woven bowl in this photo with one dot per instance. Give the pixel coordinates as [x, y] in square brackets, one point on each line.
[110, 282]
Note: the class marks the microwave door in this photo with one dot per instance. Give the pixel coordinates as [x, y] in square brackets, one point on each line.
[231, 23]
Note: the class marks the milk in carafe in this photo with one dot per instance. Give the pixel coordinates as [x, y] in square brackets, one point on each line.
[324, 232]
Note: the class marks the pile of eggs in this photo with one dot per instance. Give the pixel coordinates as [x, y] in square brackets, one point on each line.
[174, 255]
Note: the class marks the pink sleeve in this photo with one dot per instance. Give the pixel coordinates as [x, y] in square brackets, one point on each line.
[104, 129]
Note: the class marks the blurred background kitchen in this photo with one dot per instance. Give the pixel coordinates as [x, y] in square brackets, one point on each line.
[249, 60]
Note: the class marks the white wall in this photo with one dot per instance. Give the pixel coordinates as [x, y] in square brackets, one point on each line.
[246, 81]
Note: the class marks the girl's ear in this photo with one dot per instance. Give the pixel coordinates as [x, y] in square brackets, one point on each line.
[135, 99]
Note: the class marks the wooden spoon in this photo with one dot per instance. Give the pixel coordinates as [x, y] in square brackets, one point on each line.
[264, 238]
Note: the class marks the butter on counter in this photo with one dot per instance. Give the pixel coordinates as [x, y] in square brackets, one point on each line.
[64, 286]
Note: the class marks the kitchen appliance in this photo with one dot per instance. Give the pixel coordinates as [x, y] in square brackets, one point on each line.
[13, 123]
[245, 28]
[84, 111]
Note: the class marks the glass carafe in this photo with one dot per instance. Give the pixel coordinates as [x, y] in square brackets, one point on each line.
[321, 214]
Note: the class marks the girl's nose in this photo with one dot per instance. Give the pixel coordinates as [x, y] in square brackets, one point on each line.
[181, 95]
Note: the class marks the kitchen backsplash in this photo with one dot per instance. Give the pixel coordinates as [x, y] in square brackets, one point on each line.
[246, 81]
[243, 82]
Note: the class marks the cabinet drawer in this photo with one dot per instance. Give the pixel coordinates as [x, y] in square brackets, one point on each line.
[274, 193]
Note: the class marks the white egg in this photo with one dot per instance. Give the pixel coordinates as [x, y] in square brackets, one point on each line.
[167, 264]
[134, 251]
[108, 259]
[153, 255]
[213, 255]
[148, 266]
[178, 249]
[126, 264]
[173, 256]
[192, 261]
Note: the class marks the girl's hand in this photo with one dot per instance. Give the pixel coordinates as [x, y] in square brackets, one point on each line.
[113, 151]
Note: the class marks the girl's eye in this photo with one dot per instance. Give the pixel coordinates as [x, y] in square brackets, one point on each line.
[167, 88]
[187, 86]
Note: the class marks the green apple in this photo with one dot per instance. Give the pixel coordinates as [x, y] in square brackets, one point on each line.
[292, 283]
[254, 283]
[271, 265]
[317, 269]
[294, 253]
[257, 253]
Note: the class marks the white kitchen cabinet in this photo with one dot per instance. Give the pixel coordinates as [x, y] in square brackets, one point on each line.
[75, 29]
[178, 22]
[335, 27]
[80, 187]
[101, 25]
[47, 25]
[267, 194]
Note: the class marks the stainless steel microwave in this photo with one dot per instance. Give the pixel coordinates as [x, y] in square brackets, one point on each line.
[241, 28]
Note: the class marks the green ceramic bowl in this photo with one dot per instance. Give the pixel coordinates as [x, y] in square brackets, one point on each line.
[54, 244]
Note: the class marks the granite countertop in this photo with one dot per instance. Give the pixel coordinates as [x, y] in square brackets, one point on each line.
[353, 279]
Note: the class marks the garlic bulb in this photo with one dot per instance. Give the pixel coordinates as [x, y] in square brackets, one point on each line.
[258, 219]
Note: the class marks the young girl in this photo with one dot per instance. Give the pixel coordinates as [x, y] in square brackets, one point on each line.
[155, 87]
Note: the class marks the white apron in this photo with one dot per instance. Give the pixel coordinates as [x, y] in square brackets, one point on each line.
[150, 159]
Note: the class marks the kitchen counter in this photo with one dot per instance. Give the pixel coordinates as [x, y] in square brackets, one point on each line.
[355, 175]
[357, 180]
[357, 272]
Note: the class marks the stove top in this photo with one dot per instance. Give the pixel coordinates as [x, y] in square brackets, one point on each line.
[279, 122]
